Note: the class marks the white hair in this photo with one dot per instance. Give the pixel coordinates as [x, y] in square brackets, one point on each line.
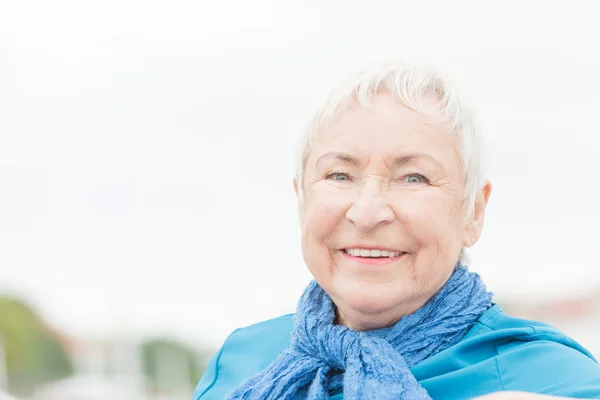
[410, 85]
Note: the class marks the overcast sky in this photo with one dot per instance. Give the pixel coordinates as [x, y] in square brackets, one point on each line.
[147, 149]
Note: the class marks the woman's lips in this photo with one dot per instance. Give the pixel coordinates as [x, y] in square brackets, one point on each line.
[371, 260]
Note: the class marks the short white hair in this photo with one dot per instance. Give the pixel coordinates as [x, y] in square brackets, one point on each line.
[410, 85]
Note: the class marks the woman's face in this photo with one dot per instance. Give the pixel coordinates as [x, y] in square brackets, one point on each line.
[382, 221]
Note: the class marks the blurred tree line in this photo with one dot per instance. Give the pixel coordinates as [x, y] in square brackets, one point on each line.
[170, 365]
[33, 352]
[36, 354]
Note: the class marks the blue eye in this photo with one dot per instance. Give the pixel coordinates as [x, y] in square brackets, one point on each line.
[338, 176]
[415, 178]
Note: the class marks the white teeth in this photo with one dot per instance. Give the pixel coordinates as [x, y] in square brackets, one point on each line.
[372, 253]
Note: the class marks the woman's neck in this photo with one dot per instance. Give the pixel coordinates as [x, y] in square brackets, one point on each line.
[362, 322]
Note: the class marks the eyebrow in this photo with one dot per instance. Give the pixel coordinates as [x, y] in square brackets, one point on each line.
[407, 158]
[344, 157]
[396, 161]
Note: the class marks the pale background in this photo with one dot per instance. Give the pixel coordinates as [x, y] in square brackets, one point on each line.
[147, 148]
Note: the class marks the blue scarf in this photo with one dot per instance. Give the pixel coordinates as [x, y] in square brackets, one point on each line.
[324, 359]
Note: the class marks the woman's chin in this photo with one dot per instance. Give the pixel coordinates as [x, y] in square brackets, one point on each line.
[372, 301]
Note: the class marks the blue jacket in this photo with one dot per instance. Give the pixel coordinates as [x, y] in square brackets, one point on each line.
[499, 353]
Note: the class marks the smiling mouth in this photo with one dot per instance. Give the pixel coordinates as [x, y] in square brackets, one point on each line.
[375, 253]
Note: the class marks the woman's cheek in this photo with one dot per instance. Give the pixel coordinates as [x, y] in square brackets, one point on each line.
[421, 217]
[327, 210]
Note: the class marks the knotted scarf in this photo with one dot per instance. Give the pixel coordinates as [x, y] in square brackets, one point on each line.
[324, 358]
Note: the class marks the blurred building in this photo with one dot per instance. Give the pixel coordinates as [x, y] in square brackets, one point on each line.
[116, 369]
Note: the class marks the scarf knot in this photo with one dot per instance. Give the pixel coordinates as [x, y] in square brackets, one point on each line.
[331, 345]
[325, 359]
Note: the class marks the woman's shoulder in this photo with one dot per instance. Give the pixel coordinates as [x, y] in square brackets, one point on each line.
[502, 352]
[534, 356]
[260, 343]
[505, 329]
[275, 328]
[516, 336]
[245, 352]
[265, 339]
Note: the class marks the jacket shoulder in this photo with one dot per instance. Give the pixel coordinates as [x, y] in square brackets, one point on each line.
[282, 325]
[533, 356]
[246, 352]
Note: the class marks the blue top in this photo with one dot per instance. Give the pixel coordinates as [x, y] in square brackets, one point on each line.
[499, 353]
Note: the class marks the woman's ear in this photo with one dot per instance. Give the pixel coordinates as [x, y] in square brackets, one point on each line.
[474, 224]
[299, 198]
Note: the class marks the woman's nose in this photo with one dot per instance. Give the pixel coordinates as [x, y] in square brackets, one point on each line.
[370, 209]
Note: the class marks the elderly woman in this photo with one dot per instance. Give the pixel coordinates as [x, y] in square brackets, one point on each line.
[392, 187]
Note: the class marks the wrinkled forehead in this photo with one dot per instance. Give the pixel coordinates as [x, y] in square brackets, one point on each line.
[385, 127]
